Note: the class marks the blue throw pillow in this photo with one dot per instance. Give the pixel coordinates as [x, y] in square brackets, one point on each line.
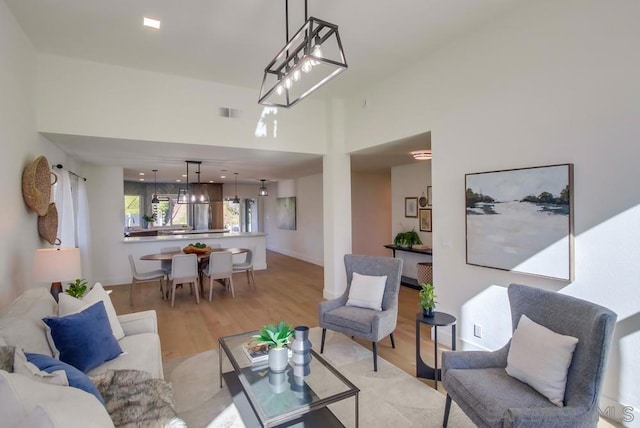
[76, 378]
[85, 339]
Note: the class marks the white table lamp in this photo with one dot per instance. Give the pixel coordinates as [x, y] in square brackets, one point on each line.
[55, 265]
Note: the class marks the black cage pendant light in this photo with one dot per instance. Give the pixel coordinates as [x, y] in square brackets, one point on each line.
[262, 190]
[311, 58]
[197, 193]
[155, 199]
[236, 200]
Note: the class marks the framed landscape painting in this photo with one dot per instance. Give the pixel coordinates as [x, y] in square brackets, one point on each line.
[521, 220]
[286, 213]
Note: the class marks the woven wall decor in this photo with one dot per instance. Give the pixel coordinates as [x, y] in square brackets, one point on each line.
[48, 225]
[36, 185]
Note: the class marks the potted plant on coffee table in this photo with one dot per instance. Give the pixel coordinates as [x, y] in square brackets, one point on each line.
[427, 299]
[277, 337]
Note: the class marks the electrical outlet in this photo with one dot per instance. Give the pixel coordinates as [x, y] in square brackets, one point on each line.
[477, 331]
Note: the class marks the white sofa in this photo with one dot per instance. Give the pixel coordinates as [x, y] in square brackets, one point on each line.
[25, 402]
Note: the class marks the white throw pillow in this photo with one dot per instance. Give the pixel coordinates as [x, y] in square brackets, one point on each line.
[541, 358]
[65, 407]
[366, 291]
[23, 367]
[68, 305]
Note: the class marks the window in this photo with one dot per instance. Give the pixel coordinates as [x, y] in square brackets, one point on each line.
[169, 212]
[132, 210]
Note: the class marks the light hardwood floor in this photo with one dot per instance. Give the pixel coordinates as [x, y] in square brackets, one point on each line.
[290, 290]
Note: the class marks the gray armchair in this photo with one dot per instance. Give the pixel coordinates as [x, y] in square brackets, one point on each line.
[479, 384]
[367, 324]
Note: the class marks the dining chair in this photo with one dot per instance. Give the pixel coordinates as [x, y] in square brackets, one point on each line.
[220, 267]
[165, 265]
[184, 270]
[246, 266]
[154, 275]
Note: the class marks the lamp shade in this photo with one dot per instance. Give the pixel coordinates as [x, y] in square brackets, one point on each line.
[56, 264]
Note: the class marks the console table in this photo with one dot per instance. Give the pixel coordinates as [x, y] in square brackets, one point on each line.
[405, 280]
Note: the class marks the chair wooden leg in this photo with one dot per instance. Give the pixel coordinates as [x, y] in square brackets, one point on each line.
[233, 293]
[375, 356]
[210, 288]
[447, 409]
[173, 293]
[393, 342]
[196, 290]
[324, 334]
[253, 278]
[248, 277]
[133, 283]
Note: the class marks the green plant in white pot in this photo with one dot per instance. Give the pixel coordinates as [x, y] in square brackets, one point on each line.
[277, 338]
[77, 288]
[427, 299]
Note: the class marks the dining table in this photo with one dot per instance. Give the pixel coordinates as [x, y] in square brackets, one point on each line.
[203, 257]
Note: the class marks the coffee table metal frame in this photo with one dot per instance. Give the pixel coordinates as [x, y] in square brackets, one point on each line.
[352, 391]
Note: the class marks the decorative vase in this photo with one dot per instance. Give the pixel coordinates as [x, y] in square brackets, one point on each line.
[278, 381]
[428, 312]
[301, 348]
[278, 359]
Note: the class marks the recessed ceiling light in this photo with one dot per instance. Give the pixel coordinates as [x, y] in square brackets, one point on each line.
[178, 180]
[210, 181]
[142, 179]
[223, 176]
[149, 22]
[184, 175]
[141, 173]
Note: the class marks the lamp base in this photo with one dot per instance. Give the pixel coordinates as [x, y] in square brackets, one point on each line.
[56, 288]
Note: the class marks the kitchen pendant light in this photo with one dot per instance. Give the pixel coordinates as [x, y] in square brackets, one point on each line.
[197, 193]
[236, 200]
[262, 190]
[155, 199]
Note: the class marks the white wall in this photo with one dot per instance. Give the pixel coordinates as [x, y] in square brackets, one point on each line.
[20, 145]
[548, 83]
[75, 97]
[306, 241]
[409, 181]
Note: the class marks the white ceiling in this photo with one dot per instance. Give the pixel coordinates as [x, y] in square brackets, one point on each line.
[231, 41]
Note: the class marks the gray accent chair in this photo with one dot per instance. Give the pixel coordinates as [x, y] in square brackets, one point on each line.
[364, 323]
[478, 383]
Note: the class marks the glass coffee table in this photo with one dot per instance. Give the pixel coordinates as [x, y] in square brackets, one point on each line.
[269, 399]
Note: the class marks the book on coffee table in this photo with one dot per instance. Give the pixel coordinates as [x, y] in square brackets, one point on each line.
[256, 352]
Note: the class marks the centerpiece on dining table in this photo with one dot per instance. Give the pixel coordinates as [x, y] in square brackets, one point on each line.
[197, 248]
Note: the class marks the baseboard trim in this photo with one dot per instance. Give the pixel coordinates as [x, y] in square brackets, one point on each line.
[611, 410]
[312, 260]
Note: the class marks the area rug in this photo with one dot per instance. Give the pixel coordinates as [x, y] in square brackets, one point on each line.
[388, 398]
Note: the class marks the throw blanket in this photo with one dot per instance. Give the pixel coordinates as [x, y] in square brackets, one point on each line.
[134, 399]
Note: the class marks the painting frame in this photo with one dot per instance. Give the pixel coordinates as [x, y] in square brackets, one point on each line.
[411, 207]
[286, 213]
[425, 220]
[522, 220]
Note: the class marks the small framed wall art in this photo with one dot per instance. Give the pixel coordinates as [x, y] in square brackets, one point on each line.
[411, 207]
[425, 220]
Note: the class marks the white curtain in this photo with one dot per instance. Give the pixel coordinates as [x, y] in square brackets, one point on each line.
[66, 214]
[83, 235]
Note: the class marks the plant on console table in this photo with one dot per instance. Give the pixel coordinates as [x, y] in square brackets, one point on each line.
[407, 239]
[427, 299]
[277, 338]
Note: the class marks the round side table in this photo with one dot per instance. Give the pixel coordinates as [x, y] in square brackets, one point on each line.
[439, 319]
